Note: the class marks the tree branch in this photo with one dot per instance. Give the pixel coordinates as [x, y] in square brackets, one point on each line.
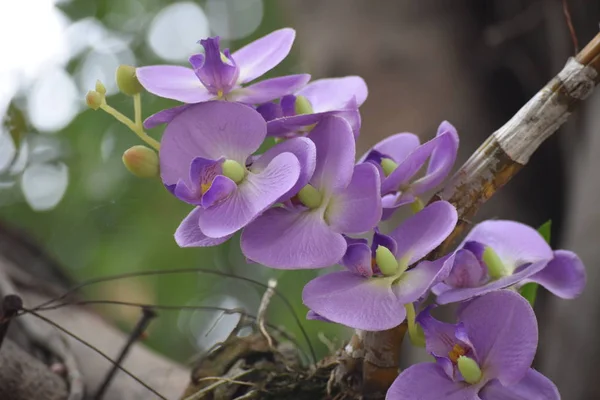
[492, 166]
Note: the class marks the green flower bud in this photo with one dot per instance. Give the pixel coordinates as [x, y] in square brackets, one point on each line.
[302, 106]
[127, 81]
[310, 197]
[417, 205]
[469, 369]
[494, 264]
[94, 99]
[388, 166]
[100, 88]
[141, 161]
[386, 261]
[234, 170]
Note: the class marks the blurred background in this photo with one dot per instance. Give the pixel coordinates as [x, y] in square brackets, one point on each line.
[472, 62]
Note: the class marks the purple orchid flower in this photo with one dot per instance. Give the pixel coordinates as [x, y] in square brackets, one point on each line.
[486, 356]
[400, 157]
[220, 75]
[500, 254]
[295, 114]
[340, 198]
[371, 293]
[204, 161]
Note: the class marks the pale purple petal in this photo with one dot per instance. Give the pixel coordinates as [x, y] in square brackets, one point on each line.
[210, 130]
[217, 75]
[285, 125]
[173, 82]
[415, 282]
[263, 54]
[439, 336]
[357, 208]
[502, 329]
[564, 275]
[188, 234]
[425, 230]
[334, 93]
[304, 150]
[270, 111]
[335, 154]
[380, 239]
[354, 301]
[311, 315]
[534, 386]
[397, 147]
[164, 116]
[219, 190]
[467, 271]
[254, 194]
[515, 243]
[358, 259]
[269, 89]
[441, 161]
[428, 381]
[292, 239]
[453, 295]
[410, 166]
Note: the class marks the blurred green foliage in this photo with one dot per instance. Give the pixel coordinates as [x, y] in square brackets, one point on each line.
[110, 222]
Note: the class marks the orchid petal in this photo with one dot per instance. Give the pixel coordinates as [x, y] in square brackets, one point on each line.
[292, 239]
[173, 82]
[354, 301]
[357, 208]
[358, 259]
[425, 230]
[263, 54]
[188, 234]
[502, 328]
[334, 93]
[254, 194]
[564, 275]
[269, 89]
[533, 386]
[428, 381]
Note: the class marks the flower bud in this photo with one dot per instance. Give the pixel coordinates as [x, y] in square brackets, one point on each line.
[100, 88]
[469, 369]
[302, 106]
[141, 161]
[127, 81]
[388, 165]
[94, 99]
[386, 261]
[310, 197]
[494, 264]
[234, 170]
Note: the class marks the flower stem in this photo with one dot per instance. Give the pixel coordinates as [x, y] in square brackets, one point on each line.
[137, 109]
[136, 128]
[417, 337]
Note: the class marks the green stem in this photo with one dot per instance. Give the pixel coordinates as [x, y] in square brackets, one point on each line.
[137, 109]
[137, 129]
[416, 335]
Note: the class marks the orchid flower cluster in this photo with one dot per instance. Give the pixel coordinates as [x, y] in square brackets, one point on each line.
[306, 202]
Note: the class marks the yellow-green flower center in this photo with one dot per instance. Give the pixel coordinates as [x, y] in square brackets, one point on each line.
[234, 170]
[494, 264]
[469, 369]
[388, 165]
[310, 197]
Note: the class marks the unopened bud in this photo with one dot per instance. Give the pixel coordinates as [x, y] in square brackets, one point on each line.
[127, 81]
[100, 88]
[141, 161]
[469, 369]
[234, 170]
[310, 197]
[386, 261]
[302, 106]
[388, 166]
[94, 99]
[494, 264]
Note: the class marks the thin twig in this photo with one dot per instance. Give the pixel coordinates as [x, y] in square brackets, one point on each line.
[95, 349]
[262, 310]
[138, 330]
[565, 7]
[187, 271]
[199, 394]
